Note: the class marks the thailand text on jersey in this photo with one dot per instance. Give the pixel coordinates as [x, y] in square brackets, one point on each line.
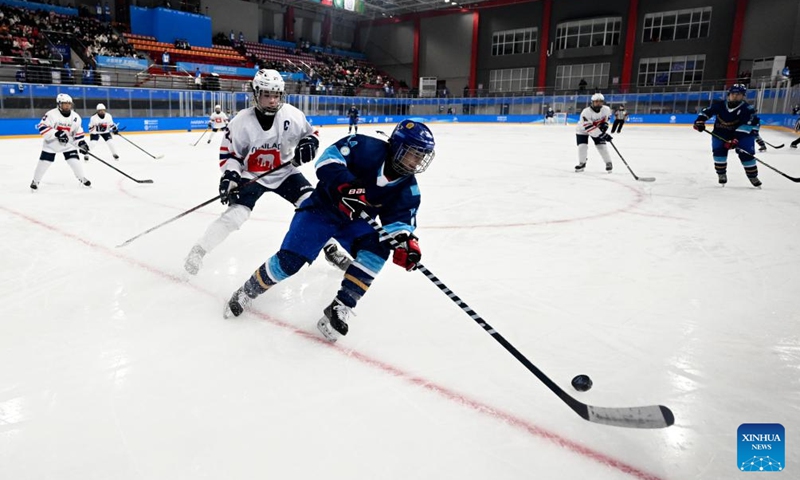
[53, 121]
[218, 120]
[251, 151]
[100, 125]
[589, 123]
[741, 118]
[359, 156]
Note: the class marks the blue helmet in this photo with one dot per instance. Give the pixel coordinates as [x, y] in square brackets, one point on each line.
[412, 147]
[737, 88]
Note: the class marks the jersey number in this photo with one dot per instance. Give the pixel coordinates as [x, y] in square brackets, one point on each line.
[263, 160]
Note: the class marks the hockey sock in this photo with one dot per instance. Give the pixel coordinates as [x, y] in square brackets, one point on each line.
[230, 221]
[603, 149]
[721, 165]
[76, 167]
[583, 150]
[279, 267]
[110, 143]
[41, 167]
[359, 276]
[750, 168]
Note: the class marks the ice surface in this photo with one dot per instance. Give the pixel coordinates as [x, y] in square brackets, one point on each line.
[115, 364]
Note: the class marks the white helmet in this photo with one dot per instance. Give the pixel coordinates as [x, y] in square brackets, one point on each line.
[217, 108]
[267, 80]
[64, 98]
[100, 106]
[598, 97]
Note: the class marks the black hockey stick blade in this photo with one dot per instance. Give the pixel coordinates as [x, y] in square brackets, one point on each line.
[653, 416]
[776, 147]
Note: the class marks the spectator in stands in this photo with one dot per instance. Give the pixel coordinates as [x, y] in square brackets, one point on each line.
[241, 38]
[165, 61]
[98, 11]
[582, 85]
[107, 13]
[198, 80]
[69, 77]
[87, 74]
[232, 38]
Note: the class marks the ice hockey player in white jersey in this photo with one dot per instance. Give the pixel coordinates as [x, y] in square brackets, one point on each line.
[217, 121]
[101, 125]
[260, 139]
[60, 128]
[594, 123]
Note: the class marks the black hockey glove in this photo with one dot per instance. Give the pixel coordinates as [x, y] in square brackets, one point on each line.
[700, 126]
[210, 124]
[603, 127]
[83, 146]
[306, 150]
[352, 199]
[605, 137]
[62, 137]
[229, 187]
[408, 253]
[797, 126]
[114, 130]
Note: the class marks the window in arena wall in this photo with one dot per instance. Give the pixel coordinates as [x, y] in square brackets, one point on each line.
[514, 42]
[511, 79]
[676, 25]
[568, 77]
[596, 32]
[682, 70]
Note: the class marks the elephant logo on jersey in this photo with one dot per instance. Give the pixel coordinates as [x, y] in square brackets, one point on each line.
[263, 160]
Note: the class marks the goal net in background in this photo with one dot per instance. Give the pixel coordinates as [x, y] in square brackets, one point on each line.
[560, 118]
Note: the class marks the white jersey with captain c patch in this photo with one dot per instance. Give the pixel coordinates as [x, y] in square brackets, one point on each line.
[52, 122]
[251, 151]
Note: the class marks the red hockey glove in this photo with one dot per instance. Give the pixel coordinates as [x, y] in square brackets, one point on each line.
[408, 254]
[352, 199]
[731, 144]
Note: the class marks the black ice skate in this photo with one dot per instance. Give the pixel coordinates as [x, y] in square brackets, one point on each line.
[85, 182]
[34, 185]
[609, 167]
[334, 323]
[755, 181]
[116, 157]
[723, 179]
[336, 257]
[580, 167]
[762, 148]
[86, 158]
[238, 303]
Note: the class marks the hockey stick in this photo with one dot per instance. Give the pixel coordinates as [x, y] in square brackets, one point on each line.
[140, 148]
[197, 207]
[774, 146]
[762, 162]
[201, 137]
[653, 416]
[641, 179]
[86, 152]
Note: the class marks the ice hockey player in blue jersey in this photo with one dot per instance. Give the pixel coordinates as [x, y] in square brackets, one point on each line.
[356, 174]
[737, 123]
[353, 114]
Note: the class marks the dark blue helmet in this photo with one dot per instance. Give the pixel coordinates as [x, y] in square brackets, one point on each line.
[412, 147]
[737, 88]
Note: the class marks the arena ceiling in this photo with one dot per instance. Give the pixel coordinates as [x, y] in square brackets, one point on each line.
[393, 8]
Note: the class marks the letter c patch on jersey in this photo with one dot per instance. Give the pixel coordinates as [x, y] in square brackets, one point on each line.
[286, 125]
[263, 160]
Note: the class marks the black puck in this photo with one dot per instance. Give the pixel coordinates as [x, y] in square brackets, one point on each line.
[582, 383]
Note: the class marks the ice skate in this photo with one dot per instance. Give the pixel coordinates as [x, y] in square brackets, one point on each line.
[755, 181]
[86, 158]
[336, 257]
[85, 182]
[762, 148]
[580, 167]
[34, 185]
[194, 260]
[116, 157]
[238, 303]
[723, 179]
[609, 167]
[334, 323]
